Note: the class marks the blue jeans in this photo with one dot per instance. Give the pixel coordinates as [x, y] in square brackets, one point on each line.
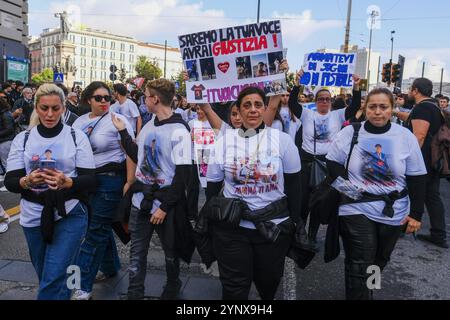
[98, 250]
[52, 260]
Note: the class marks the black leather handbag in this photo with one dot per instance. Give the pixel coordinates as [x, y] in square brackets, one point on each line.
[318, 167]
[324, 200]
[226, 211]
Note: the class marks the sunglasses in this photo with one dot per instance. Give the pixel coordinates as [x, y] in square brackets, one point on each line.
[99, 98]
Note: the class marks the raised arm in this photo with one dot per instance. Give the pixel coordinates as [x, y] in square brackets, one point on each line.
[295, 107]
[351, 110]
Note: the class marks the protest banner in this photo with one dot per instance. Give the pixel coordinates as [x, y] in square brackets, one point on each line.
[222, 62]
[328, 69]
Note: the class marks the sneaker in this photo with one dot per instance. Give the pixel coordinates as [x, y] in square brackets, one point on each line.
[81, 295]
[3, 189]
[4, 222]
[428, 238]
[102, 277]
[171, 290]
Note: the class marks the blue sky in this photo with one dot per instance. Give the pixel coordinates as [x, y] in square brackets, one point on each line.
[307, 25]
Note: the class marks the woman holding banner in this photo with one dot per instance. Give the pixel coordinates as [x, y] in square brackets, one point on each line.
[319, 129]
[251, 244]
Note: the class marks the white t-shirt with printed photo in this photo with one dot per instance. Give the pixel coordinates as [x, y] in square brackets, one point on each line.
[58, 152]
[251, 174]
[379, 164]
[160, 150]
[203, 137]
[290, 124]
[129, 110]
[104, 139]
[327, 126]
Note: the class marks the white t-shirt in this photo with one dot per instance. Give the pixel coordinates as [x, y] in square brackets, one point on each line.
[191, 115]
[58, 152]
[254, 176]
[379, 164]
[327, 126]
[203, 137]
[160, 150]
[105, 139]
[291, 124]
[129, 110]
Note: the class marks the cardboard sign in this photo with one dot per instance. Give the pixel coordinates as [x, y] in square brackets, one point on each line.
[222, 62]
[328, 69]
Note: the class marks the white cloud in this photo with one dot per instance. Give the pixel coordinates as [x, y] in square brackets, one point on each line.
[435, 60]
[143, 20]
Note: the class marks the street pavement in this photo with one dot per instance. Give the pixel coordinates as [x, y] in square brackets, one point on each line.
[417, 270]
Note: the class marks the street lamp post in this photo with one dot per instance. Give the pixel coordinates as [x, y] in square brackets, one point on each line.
[442, 78]
[392, 44]
[372, 15]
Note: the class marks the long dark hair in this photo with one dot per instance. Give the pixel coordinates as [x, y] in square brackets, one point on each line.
[90, 89]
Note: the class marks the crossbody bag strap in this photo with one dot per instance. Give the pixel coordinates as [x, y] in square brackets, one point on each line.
[90, 132]
[356, 127]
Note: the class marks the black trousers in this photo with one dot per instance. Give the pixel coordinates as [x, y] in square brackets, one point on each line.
[193, 192]
[244, 256]
[435, 208]
[314, 222]
[366, 243]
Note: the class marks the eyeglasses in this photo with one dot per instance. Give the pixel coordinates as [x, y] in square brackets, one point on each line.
[323, 99]
[99, 98]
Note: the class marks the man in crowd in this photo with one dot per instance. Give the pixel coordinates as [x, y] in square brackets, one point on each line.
[126, 107]
[443, 103]
[23, 108]
[424, 121]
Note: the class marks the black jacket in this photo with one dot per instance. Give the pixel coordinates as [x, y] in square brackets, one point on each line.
[6, 126]
[27, 110]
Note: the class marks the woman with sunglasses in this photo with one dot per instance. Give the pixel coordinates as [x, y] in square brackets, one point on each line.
[98, 251]
[319, 129]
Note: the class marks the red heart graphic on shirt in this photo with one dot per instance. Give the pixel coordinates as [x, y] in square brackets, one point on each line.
[223, 66]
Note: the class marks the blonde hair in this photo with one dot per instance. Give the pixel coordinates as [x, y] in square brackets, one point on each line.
[47, 89]
[164, 88]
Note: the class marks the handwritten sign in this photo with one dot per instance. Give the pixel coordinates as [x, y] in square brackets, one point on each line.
[328, 69]
[222, 62]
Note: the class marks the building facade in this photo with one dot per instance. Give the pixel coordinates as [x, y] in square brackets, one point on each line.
[156, 52]
[96, 51]
[34, 46]
[14, 39]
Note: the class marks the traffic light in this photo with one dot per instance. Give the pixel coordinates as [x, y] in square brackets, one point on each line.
[386, 73]
[396, 72]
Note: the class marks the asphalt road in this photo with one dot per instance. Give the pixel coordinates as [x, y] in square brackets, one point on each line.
[417, 270]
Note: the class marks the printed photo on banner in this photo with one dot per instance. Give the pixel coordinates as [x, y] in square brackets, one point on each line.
[208, 70]
[243, 67]
[222, 62]
[328, 69]
[192, 70]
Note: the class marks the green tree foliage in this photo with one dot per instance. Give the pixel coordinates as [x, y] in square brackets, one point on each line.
[147, 69]
[45, 76]
[181, 84]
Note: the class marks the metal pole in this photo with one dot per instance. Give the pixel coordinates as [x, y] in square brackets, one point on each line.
[378, 73]
[423, 69]
[442, 78]
[347, 26]
[165, 57]
[259, 7]
[392, 45]
[347, 31]
[373, 15]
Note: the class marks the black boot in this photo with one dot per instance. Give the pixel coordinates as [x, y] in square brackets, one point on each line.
[356, 282]
[173, 284]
